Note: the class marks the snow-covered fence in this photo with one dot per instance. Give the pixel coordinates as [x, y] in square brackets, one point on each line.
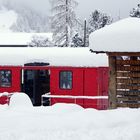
[72, 97]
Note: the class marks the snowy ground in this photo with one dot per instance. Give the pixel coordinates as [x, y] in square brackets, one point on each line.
[21, 121]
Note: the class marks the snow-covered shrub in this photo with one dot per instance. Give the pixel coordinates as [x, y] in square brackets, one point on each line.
[40, 41]
[135, 12]
[77, 41]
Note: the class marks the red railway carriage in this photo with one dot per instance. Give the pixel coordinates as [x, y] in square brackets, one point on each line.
[71, 81]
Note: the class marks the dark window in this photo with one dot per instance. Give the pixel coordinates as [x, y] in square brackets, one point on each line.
[5, 78]
[66, 80]
[30, 75]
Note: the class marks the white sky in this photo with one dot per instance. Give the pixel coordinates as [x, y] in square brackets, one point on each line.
[85, 7]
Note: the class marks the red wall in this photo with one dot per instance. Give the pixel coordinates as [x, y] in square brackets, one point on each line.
[103, 77]
[16, 81]
[86, 82]
[77, 86]
[90, 86]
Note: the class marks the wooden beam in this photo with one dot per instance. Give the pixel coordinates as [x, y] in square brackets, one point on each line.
[128, 93]
[127, 81]
[129, 68]
[131, 105]
[128, 62]
[128, 99]
[130, 86]
[123, 53]
[128, 74]
[112, 83]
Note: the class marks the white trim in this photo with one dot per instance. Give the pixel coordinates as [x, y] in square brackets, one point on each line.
[74, 97]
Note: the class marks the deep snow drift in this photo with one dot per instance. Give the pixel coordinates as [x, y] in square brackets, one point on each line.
[66, 122]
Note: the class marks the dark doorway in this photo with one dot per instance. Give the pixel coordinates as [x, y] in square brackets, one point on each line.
[36, 83]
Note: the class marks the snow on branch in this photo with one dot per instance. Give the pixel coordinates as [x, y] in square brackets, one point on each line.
[40, 41]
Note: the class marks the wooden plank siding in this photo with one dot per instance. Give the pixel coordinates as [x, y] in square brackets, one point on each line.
[128, 68]
[127, 93]
[128, 74]
[128, 62]
[125, 76]
[128, 80]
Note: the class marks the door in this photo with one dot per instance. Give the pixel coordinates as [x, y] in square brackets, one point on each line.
[36, 82]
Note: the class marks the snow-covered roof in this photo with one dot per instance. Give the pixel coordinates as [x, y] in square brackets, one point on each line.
[21, 38]
[53, 55]
[121, 36]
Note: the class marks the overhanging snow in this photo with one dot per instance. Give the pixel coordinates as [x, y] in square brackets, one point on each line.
[53, 55]
[122, 36]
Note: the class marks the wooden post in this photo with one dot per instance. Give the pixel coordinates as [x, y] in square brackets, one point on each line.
[85, 34]
[112, 83]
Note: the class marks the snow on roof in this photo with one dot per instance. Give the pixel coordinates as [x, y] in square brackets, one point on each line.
[122, 36]
[53, 55]
[20, 38]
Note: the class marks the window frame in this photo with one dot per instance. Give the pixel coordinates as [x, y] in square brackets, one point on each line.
[60, 79]
[10, 78]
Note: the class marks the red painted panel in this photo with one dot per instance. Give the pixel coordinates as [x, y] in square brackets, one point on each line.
[16, 81]
[86, 82]
[90, 87]
[77, 84]
[103, 86]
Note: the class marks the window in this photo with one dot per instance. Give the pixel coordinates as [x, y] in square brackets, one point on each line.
[66, 80]
[30, 75]
[5, 78]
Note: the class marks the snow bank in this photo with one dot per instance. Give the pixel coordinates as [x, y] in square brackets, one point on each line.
[121, 36]
[53, 55]
[21, 38]
[20, 100]
[47, 123]
[62, 108]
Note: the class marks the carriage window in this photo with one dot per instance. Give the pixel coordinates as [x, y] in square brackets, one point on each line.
[66, 80]
[5, 78]
[30, 75]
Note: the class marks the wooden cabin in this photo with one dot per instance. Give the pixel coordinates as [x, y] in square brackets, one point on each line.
[120, 41]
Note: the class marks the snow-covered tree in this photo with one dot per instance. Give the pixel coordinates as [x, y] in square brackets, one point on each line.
[135, 12]
[77, 41]
[40, 41]
[64, 21]
[98, 20]
[28, 19]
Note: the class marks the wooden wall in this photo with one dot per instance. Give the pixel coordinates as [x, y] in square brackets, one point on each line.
[124, 82]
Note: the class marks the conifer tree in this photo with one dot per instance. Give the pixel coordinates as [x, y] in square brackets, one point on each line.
[63, 21]
[98, 20]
